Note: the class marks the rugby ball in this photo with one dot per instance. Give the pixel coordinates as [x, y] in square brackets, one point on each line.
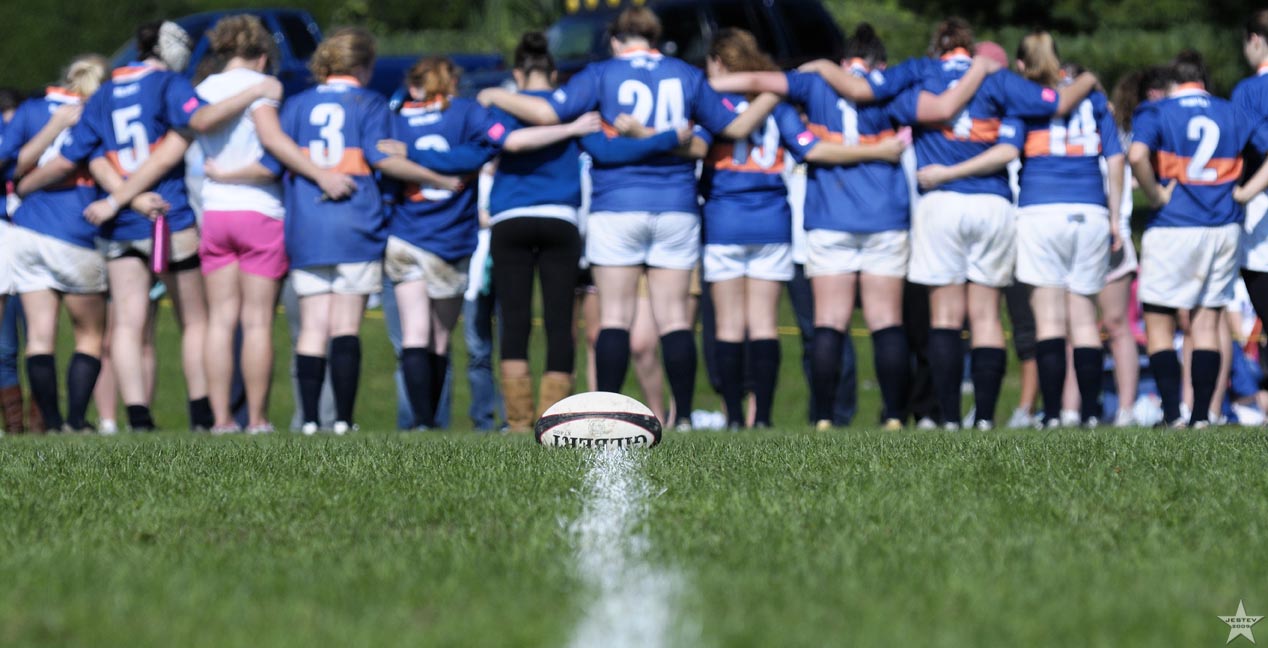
[598, 419]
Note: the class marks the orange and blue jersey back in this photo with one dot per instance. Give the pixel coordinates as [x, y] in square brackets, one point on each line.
[338, 125]
[1061, 155]
[1196, 140]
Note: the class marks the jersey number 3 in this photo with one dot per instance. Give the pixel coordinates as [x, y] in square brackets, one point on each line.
[328, 150]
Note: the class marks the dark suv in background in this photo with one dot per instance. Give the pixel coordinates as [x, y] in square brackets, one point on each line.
[791, 31]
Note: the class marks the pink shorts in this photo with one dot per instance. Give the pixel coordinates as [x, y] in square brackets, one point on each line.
[254, 241]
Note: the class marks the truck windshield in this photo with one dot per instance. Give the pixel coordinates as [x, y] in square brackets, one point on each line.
[582, 36]
[296, 31]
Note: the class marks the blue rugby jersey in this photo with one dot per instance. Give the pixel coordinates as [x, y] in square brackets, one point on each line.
[866, 197]
[746, 200]
[896, 79]
[1061, 155]
[338, 125]
[124, 121]
[979, 126]
[443, 222]
[56, 210]
[663, 93]
[1251, 95]
[1196, 140]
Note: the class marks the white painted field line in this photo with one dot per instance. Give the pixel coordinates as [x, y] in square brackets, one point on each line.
[631, 602]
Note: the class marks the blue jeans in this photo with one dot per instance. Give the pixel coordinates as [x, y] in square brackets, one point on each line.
[10, 346]
[477, 330]
[803, 302]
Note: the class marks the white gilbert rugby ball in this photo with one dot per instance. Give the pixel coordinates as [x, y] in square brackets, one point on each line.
[597, 419]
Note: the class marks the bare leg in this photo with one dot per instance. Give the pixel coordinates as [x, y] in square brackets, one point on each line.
[1114, 300]
[129, 315]
[190, 299]
[225, 300]
[259, 308]
[643, 349]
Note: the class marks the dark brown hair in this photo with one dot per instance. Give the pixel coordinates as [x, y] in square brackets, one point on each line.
[739, 52]
[637, 22]
[950, 34]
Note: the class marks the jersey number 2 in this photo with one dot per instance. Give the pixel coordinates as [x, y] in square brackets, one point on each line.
[1206, 133]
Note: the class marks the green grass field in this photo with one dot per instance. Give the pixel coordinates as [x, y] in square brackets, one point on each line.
[775, 538]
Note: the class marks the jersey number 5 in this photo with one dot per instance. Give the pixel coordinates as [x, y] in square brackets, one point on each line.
[130, 137]
[327, 151]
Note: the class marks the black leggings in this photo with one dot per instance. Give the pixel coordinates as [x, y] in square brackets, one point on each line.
[1257, 288]
[552, 245]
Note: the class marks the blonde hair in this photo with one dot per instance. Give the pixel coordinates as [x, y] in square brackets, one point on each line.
[345, 51]
[1039, 53]
[436, 77]
[241, 36]
[86, 73]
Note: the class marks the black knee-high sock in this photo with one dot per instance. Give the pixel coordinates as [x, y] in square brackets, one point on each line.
[1089, 372]
[1050, 359]
[139, 418]
[946, 368]
[310, 372]
[41, 372]
[678, 350]
[764, 356]
[200, 415]
[893, 368]
[81, 377]
[611, 359]
[729, 357]
[1166, 368]
[416, 368]
[989, 364]
[345, 374]
[1206, 370]
[825, 370]
[439, 369]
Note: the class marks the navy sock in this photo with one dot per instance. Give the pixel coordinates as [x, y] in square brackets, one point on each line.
[416, 368]
[1050, 359]
[439, 369]
[139, 418]
[1089, 372]
[764, 357]
[825, 370]
[678, 349]
[1206, 370]
[41, 373]
[200, 416]
[893, 369]
[81, 377]
[345, 374]
[1165, 366]
[611, 359]
[310, 372]
[729, 357]
[946, 368]
[989, 364]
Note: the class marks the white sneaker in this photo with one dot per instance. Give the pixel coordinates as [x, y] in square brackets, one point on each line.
[1248, 415]
[342, 427]
[1070, 418]
[984, 426]
[926, 423]
[309, 429]
[1124, 418]
[1021, 418]
[950, 427]
[107, 427]
[1092, 423]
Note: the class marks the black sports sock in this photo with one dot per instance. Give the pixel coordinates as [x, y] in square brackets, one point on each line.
[729, 357]
[1088, 372]
[1206, 370]
[200, 416]
[989, 364]
[416, 367]
[678, 349]
[345, 374]
[310, 372]
[81, 377]
[1050, 359]
[825, 370]
[1165, 366]
[41, 373]
[764, 356]
[439, 369]
[611, 359]
[893, 369]
[139, 419]
[946, 368]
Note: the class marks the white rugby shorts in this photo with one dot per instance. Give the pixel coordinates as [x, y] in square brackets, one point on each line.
[770, 262]
[404, 262]
[1064, 245]
[1254, 253]
[42, 262]
[6, 257]
[184, 245]
[362, 278]
[1187, 267]
[668, 240]
[829, 252]
[959, 237]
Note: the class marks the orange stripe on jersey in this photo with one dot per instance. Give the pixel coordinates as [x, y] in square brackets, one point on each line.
[113, 158]
[985, 131]
[822, 132]
[352, 163]
[877, 138]
[1171, 166]
[1039, 143]
[722, 158]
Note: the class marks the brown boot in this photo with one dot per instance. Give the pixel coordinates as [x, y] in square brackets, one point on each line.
[517, 396]
[556, 386]
[11, 409]
[34, 419]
